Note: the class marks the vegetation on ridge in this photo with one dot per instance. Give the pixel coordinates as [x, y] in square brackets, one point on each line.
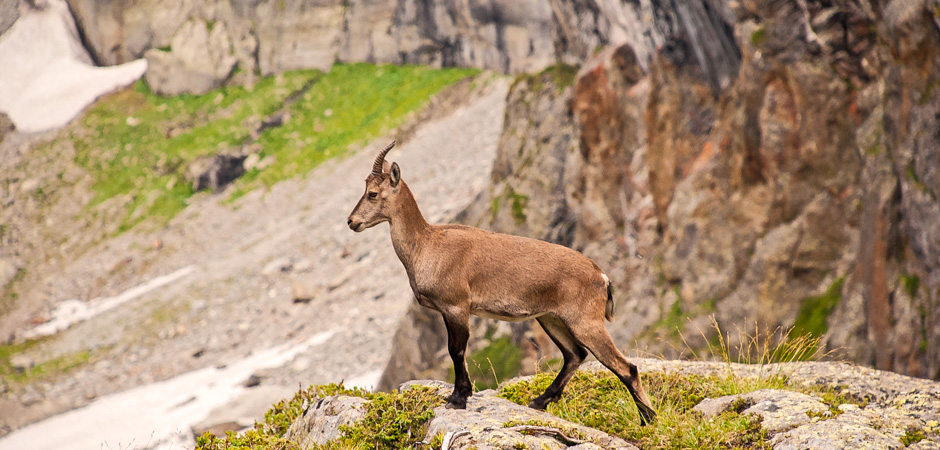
[595, 399]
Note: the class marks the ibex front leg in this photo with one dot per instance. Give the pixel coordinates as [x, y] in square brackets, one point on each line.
[458, 332]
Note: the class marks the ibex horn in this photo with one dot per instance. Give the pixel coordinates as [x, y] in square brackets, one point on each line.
[379, 160]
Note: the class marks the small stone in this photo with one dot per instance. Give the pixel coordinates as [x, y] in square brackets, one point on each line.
[303, 290]
[846, 407]
[278, 265]
[21, 363]
[252, 381]
[251, 162]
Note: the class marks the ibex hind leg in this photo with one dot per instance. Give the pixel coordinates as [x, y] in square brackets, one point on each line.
[573, 353]
[602, 346]
[458, 333]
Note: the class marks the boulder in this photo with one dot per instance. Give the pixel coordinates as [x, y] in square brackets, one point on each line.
[199, 59]
[322, 420]
[215, 172]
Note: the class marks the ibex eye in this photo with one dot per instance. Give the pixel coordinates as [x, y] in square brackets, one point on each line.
[373, 194]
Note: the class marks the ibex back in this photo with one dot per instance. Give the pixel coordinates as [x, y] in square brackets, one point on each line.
[459, 270]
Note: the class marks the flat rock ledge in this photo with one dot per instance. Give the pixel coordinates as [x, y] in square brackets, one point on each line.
[489, 422]
[898, 412]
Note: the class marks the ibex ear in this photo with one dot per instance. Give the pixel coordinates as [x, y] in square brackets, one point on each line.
[395, 175]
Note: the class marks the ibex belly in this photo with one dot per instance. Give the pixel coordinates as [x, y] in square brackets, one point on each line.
[510, 311]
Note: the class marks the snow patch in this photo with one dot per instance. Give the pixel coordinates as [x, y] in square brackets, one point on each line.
[154, 416]
[72, 311]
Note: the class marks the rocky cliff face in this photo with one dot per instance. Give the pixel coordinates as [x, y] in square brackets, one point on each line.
[509, 36]
[801, 195]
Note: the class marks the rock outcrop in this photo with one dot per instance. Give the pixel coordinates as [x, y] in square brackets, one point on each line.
[801, 195]
[889, 411]
[198, 59]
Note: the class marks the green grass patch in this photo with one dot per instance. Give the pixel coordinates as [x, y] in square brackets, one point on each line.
[911, 284]
[352, 103]
[599, 400]
[137, 145]
[395, 420]
[41, 370]
[814, 311]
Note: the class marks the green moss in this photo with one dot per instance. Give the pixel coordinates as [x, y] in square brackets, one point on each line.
[758, 36]
[814, 311]
[912, 436]
[558, 75]
[395, 420]
[519, 203]
[494, 208]
[562, 75]
[911, 284]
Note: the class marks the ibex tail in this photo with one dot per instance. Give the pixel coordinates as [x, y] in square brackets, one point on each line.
[609, 310]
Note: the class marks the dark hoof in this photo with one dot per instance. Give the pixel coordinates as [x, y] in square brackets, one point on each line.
[537, 405]
[452, 405]
[647, 416]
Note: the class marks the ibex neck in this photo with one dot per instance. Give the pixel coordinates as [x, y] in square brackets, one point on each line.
[408, 228]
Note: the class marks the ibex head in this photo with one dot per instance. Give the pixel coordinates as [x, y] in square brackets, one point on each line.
[379, 200]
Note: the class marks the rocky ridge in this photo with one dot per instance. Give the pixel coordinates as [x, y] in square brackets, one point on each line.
[896, 412]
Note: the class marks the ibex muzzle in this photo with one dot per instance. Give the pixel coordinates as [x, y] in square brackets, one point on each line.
[459, 270]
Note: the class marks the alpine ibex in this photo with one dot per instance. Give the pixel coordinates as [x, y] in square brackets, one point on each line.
[459, 270]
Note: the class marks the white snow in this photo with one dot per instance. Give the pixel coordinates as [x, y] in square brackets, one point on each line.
[158, 415]
[46, 76]
[72, 311]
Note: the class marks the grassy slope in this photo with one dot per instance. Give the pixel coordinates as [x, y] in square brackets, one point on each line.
[137, 145]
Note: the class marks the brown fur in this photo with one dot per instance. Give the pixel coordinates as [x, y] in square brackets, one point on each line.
[460, 270]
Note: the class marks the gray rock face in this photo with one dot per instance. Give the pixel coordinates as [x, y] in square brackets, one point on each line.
[778, 410]
[321, 421]
[199, 59]
[509, 36]
[800, 195]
